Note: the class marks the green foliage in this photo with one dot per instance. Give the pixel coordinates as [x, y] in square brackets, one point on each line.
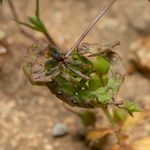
[95, 82]
[88, 118]
[119, 115]
[131, 107]
[101, 65]
[35, 23]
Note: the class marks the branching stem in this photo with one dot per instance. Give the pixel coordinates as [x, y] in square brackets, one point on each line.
[37, 13]
[15, 15]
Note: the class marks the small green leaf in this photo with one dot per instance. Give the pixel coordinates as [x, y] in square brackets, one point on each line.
[105, 79]
[84, 59]
[103, 95]
[88, 118]
[114, 84]
[82, 64]
[50, 64]
[39, 26]
[85, 94]
[101, 65]
[78, 73]
[119, 115]
[34, 20]
[95, 82]
[131, 107]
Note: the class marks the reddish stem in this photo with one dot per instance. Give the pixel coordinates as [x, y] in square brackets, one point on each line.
[88, 29]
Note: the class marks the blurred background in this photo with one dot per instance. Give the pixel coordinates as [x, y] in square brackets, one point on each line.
[28, 113]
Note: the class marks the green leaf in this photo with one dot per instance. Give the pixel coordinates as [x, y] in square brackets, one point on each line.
[88, 118]
[39, 26]
[106, 93]
[119, 115]
[104, 79]
[114, 84]
[82, 64]
[34, 22]
[103, 95]
[101, 65]
[84, 59]
[78, 73]
[85, 94]
[131, 107]
[95, 82]
[50, 64]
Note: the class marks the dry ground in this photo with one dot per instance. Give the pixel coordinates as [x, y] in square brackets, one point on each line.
[27, 113]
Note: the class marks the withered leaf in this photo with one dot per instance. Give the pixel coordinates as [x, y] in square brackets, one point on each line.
[72, 86]
[34, 63]
[97, 134]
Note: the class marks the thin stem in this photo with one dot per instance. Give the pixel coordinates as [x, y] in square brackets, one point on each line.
[88, 29]
[15, 15]
[110, 119]
[50, 39]
[37, 11]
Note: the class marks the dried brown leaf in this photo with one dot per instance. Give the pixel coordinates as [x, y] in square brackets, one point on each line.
[97, 134]
[34, 62]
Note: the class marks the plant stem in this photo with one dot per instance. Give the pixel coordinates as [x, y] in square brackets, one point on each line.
[37, 13]
[110, 119]
[88, 29]
[50, 39]
[15, 15]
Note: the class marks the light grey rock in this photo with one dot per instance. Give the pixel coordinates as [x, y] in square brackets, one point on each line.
[59, 130]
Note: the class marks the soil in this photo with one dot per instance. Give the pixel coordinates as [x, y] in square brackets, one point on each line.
[27, 112]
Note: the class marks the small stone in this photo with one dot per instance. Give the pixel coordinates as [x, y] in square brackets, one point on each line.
[59, 130]
[3, 50]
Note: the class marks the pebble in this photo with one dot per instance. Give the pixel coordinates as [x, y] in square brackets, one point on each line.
[3, 50]
[59, 130]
